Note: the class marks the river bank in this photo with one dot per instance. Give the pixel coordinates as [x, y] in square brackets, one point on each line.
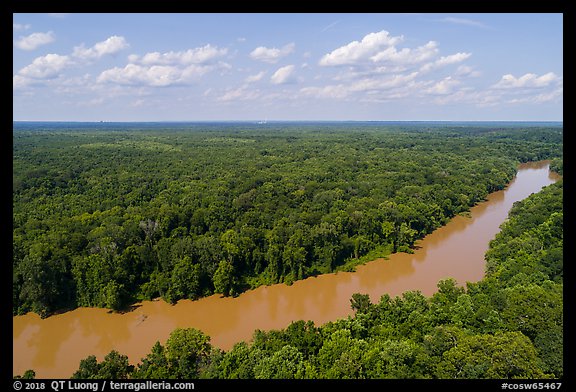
[54, 346]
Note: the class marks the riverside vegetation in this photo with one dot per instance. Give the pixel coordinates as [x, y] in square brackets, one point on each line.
[508, 325]
[109, 217]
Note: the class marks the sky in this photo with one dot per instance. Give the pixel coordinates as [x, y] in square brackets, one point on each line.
[288, 67]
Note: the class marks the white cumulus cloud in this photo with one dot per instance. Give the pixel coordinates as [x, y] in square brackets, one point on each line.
[464, 70]
[19, 82]
[34, 40]
[283, 75]
[46, 67]
[528, 80]
[153, 76]
[201, 55]
[132, 74]
[550, 96]
[398, 85]
[443, 87]
[239, 94]
[407, 55]
[155, 69]
[271, 55]
[360, 51]
[255, 78]
[52, 65]
[379, 68]
[111, 45]
[445, 60]
[386, 83]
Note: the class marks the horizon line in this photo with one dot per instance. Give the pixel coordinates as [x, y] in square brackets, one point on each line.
[268, 121]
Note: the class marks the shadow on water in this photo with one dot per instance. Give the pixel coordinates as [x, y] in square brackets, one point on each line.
[127, 309]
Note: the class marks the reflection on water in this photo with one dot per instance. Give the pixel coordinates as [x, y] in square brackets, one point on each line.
[54, 347]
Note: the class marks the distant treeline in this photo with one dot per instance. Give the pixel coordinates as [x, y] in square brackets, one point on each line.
[105, 218]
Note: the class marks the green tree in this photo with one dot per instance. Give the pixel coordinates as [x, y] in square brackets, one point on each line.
[503, 355]
[154, 365]
[360, 303]
[185, 281]
[113, 295]
[240, 361]
[186, 352]
[28, 375]
[88, 369]
[114, 366]
[42, 276]
[341, 356]
[463, 312]
[223, 279]
[286, 363]
[399, 359]
[230, 241]
[549, 344]
[304, 336]
[443, 300]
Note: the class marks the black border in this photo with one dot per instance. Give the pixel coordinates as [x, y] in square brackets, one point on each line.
[369, 6]
[427, 6]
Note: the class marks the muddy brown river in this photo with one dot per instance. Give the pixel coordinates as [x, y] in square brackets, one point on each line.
[53, 347]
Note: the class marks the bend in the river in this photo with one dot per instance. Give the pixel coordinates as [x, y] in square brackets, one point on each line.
[53, 347]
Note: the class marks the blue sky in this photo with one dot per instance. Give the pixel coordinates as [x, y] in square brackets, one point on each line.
[203, 67]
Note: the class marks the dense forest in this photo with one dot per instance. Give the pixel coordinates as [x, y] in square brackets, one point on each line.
[105, 217]
[508, 325]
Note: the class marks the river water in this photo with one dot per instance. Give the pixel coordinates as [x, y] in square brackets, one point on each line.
[53, 347]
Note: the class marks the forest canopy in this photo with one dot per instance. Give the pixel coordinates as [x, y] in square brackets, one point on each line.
[509, 325]
[107, 216]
